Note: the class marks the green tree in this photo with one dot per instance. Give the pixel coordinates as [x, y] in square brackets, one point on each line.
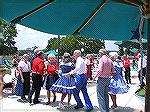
[70, 43]
[7, 34]
[52, 44]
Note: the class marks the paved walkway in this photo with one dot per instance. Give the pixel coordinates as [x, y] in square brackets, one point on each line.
[128, 102]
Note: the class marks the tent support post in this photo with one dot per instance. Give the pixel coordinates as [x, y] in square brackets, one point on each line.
[58, 48]
[147, 93]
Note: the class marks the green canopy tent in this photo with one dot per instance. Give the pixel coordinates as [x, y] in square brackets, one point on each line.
[51, 52]
[100, 19]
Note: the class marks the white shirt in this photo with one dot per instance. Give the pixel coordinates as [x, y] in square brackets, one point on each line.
[80, 66]
[144, 63]
[87, 61]
[25, 66]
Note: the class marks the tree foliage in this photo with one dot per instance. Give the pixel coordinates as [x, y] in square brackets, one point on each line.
[71, 43]
[7, 34]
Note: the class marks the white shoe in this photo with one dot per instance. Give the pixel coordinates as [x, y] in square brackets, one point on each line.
[61, 106]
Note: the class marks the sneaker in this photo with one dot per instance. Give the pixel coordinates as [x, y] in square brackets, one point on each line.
[61, 106]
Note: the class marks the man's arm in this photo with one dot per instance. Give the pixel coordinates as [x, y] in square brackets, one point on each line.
[100, 69]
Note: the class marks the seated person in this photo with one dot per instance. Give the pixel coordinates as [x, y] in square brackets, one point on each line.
[8, 82]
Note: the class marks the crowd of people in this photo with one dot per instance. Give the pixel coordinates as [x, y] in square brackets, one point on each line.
[70, 77]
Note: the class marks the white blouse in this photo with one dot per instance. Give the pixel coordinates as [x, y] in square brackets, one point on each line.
[26, 67]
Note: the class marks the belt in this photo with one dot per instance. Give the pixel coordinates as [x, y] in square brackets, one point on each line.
[104, 77]
[36, 72]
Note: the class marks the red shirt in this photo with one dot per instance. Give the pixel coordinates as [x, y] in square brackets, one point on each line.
[92, 61]
[52, 68]
[38, 66]
[126, 62]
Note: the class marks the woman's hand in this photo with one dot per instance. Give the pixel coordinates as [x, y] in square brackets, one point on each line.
[22, 80]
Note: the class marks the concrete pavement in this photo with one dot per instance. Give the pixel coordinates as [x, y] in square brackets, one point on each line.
[128, 102]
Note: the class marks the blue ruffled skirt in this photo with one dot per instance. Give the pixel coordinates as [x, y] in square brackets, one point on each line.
[118, 85]
[64, 85]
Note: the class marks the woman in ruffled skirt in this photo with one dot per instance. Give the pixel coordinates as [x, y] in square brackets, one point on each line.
[117, 84]
[65, 85]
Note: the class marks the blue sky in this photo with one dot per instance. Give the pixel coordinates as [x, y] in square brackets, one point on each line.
[28, 38]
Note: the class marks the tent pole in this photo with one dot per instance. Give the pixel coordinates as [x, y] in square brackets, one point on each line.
[141, 26]
[58, 48]
[147, 93]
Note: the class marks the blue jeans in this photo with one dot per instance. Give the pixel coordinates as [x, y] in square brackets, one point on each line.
[81, 82]
[102, 94]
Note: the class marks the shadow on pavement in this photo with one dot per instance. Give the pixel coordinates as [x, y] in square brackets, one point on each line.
[71, 109]
[10, 95]
[124, 109]
[21, 101]
[43, 96]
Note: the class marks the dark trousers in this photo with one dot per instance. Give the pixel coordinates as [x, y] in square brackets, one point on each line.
[26, 84]
[127, 75]
[36, 86]
[141, 76]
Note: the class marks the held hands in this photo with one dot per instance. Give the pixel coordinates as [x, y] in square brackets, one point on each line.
[94, 79]
[66, 75]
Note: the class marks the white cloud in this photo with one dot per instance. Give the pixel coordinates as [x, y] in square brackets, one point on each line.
[28, 38]
[110, 46]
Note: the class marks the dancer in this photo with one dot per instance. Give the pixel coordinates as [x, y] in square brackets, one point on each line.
[81, 82]
[117, 84]
[51, 69]
[64, 84]
[104, 74]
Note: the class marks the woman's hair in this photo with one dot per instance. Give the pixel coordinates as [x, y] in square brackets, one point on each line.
[51, 56]
[66, 58]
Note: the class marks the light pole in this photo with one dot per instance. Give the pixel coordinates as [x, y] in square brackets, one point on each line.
[82, 50]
